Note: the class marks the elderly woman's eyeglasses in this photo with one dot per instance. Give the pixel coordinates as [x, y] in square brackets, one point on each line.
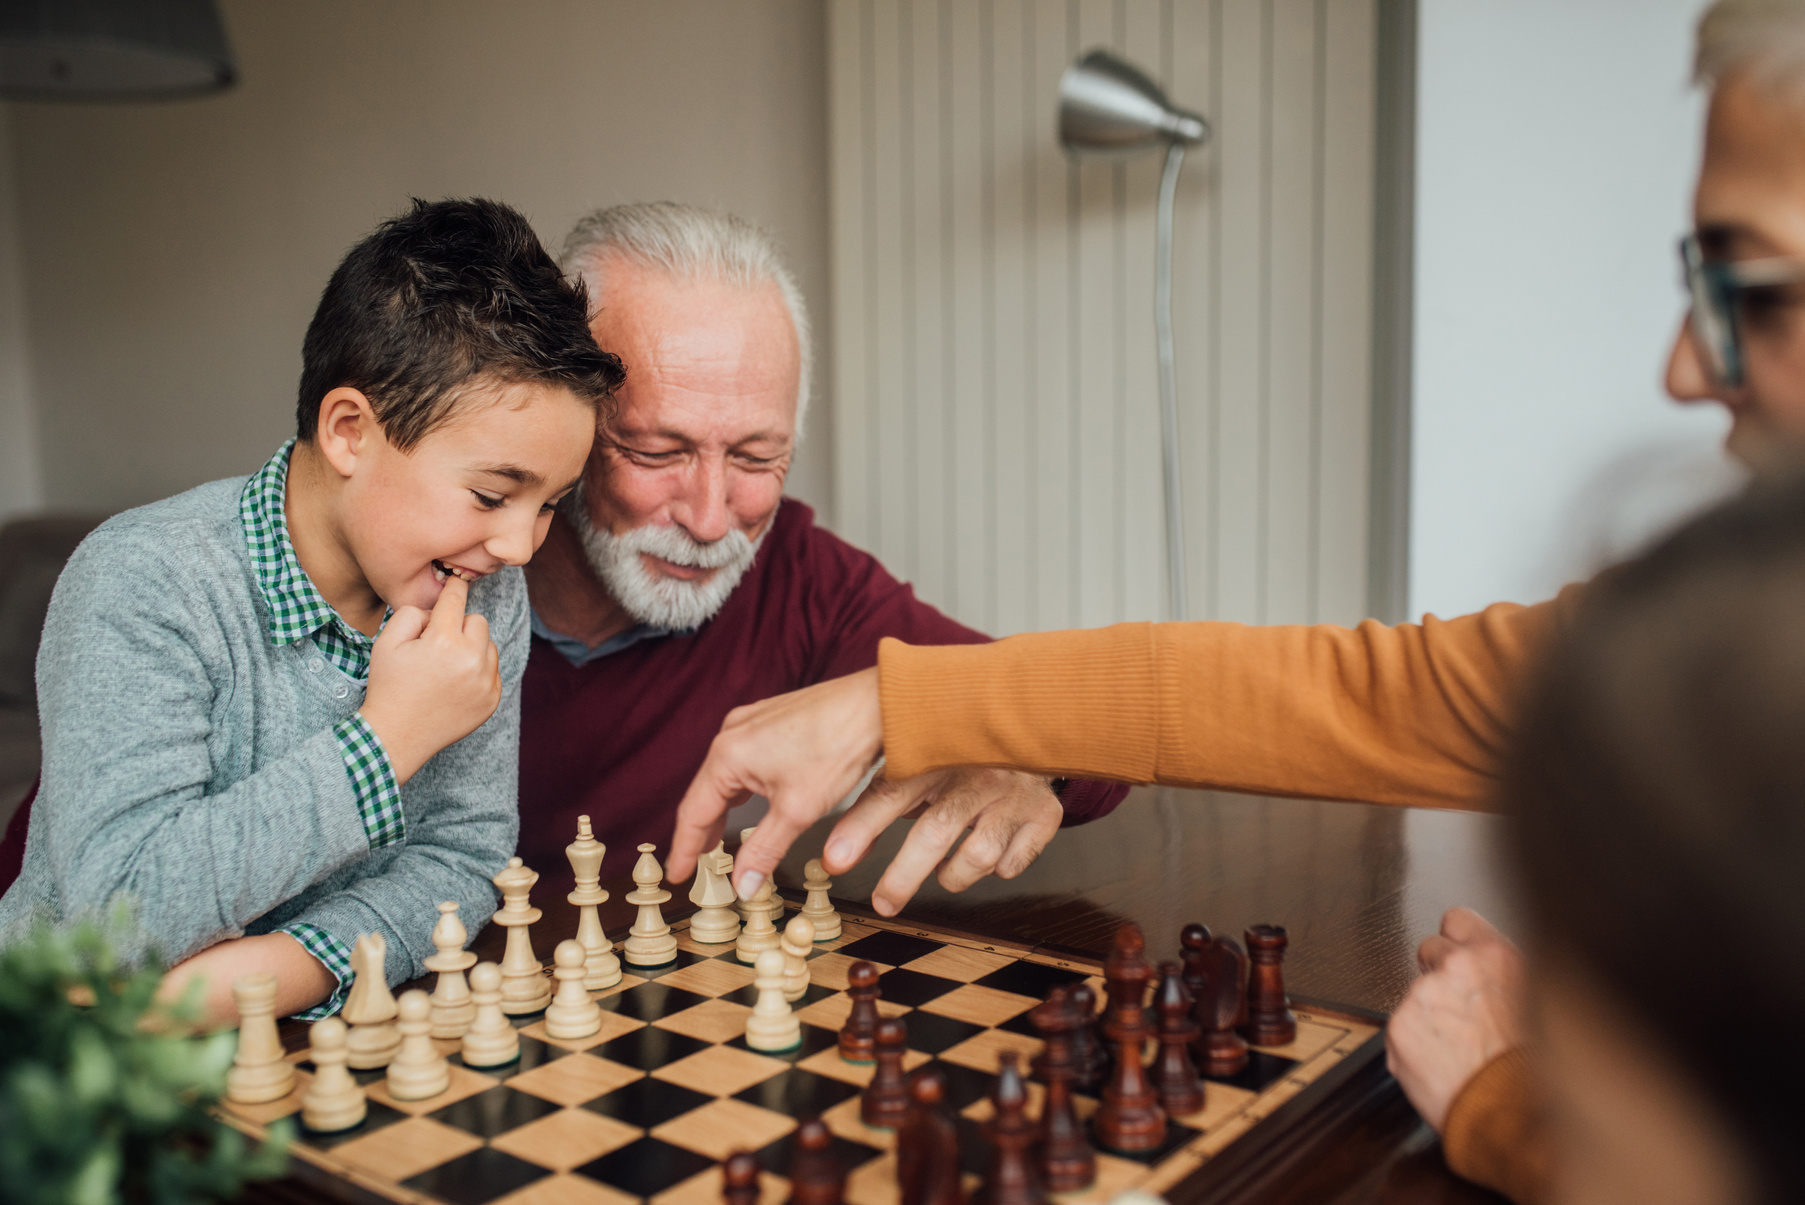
[1720, 290]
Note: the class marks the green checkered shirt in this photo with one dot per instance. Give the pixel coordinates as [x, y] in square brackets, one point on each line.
[298, 612]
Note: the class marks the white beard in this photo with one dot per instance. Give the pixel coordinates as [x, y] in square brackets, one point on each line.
[652, 597]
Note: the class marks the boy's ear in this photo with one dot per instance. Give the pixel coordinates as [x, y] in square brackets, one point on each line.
[347, 424]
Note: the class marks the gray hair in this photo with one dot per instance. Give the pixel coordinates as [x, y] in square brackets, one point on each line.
[1762, 40]
[691, 243]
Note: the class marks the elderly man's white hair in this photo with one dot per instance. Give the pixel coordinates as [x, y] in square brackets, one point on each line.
[1762, 41]
[690, 243]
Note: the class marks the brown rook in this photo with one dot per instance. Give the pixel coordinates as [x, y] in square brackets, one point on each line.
[1269, 1018]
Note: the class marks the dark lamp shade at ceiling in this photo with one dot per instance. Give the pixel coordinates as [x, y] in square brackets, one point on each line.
[112, 49]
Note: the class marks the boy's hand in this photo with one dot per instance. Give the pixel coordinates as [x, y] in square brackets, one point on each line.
[435, 677]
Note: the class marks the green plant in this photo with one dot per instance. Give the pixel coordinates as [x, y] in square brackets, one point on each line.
[104, 1092]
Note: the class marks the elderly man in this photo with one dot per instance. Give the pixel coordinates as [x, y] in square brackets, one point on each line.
[678, 583]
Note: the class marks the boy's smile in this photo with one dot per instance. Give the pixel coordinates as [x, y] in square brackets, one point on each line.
[377, 528]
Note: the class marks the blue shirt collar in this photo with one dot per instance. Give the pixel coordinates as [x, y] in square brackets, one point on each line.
[578, 653]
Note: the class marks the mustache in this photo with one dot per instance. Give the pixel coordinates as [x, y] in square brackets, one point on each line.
[673, 544]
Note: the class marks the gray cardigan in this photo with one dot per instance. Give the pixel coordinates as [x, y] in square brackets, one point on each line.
[190, 764]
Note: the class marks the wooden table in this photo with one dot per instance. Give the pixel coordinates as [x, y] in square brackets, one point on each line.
[1357, 887]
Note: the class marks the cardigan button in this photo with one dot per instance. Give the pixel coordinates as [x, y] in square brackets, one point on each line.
[341, 691]
[315, 665]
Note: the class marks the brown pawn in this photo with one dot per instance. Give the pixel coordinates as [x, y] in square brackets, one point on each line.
[1221, 1005]
[1196, 942]
[816, 1177]
[1013, 1179]
[858, 1037]
[1067, 1162]
[1089, 1055]
[1269, 1018]
[1174, 1076]
[739, 1179]
[1129, 1119]
[927, 1145]
[886, 1100]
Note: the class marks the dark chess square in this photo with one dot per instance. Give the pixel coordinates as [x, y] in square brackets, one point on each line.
[798, 1093]
[649, 1048]
[846, 1153]
[1262, 1069]
[650, 1001]
[748, 995]
[893, 948]
[533, 1053]
[477, 1177]
[1177, 1134]
[647, 1102]
[376, 1116]
[1029, 979]
[964, 1086]
[488, 1114]
[912, 987]
[931, 1033]
[646, 1167]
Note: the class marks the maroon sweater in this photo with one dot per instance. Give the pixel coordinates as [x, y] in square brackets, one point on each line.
[620, 738]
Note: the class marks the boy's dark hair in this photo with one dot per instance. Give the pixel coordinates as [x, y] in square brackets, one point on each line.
[1658, 785]
[434, 300]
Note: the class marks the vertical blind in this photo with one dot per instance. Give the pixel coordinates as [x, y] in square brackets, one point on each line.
[996, 397]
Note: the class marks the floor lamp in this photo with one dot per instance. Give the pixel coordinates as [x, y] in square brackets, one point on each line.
[1109, 105]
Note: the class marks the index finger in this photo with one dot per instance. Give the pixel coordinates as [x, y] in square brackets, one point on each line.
[448, 612]
[701, 818]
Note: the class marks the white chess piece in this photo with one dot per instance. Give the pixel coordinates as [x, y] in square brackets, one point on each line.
[333, 1101]
[259, 1071]
[524, 987]
[418, 1071]
[760, 933]
[716, 923]
[772, 1025]
[818, 908]
[571, 1014]
[745, 836]
[601, 968]
[649, 941]
[491, 1040]
[452, 1007]
[370, 1008]
[798, 944]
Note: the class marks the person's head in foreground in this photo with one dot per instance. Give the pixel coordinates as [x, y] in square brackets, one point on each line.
[1658, 790]
[688, 472]
[449, 392]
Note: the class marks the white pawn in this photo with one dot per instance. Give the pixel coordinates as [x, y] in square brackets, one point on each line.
[370, 1008]
[798, 943]
[333, 1101]
[418, 1070]
[818, 908]
[452, 1006]
[772, 1025]
[717, 923]
[760, 933]
[600, 966]
[745, 836]
[491, 1040]
[259, 1073]
[649, 941]
[524, 987]
[572, 1014]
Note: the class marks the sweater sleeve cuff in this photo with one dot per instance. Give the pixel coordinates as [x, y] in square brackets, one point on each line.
[372, 780]
[1496, 1134]
[333, 955]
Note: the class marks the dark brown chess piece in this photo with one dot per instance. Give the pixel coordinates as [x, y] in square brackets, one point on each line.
[1221, 1005]
[816, 1177]
[1129, 1119]
[1013, 1179]
[927, 1145]
[1174, 1076]
[886, 1100]
[739, 1179]
[1195, 940]
[1089, 1055]
[858, 1037]
[1269, 1018]
[1067, 1162]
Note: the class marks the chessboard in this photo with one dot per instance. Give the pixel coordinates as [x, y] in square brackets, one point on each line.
[649, 1107]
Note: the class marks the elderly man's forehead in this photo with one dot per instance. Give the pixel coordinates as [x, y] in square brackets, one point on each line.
[1751, 189]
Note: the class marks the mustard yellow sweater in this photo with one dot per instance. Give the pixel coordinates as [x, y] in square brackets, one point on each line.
[1416, 714]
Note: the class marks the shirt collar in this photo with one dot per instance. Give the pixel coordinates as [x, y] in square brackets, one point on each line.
[296, 607]
[580, 654]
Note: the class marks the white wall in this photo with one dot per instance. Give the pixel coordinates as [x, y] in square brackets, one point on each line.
[1556, 143]
[174, 251]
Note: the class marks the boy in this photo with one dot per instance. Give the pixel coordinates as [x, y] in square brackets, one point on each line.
[267, 717]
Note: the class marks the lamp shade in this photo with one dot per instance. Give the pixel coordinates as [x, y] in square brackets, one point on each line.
[1108, 104]
[112, 49]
